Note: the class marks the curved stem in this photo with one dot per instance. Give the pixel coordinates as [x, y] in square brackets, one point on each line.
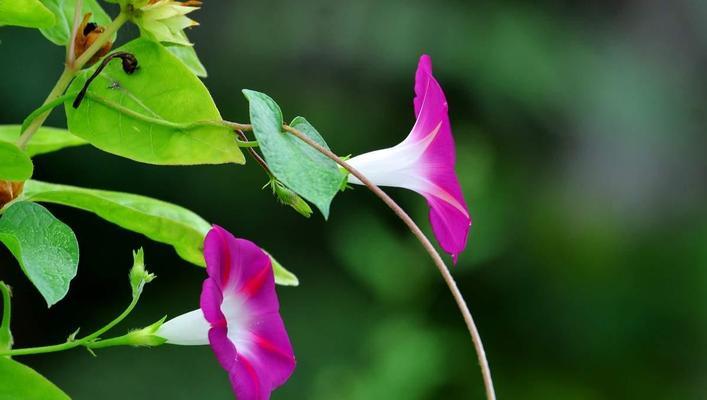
[427, 245]
[85, 341]
[114, 322]
[5, 333]
[32, 117]
[255, 154]
[45, 108]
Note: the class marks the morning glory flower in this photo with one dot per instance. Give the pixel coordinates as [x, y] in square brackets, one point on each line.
[424, 162]
[239, 317]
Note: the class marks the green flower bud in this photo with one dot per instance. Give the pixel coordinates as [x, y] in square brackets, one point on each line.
[139, 276]
[288, 197]
[146, 337]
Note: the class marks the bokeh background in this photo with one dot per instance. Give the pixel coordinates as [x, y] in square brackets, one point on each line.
[581, 141]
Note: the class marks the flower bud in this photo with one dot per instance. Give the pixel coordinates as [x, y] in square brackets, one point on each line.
[146, 337]
[288, 197]
[138, 275]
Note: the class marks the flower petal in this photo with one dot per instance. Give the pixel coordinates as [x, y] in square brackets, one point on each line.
[265, 358]
[449, 213]
[210, 302]
[424, 71]
[188, 329]
[432, 109]
[247, 382]
[269, 348]
[241, 268]
[223, 348]
[449, 224]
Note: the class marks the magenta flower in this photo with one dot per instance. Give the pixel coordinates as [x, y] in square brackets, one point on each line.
[239, 317]
[424, 162]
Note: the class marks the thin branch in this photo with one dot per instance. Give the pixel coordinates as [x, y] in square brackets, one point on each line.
[71, 344]
[253, 153]
[427, 245]
[5, 333]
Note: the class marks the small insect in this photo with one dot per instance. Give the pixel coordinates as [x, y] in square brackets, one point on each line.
[130, 65]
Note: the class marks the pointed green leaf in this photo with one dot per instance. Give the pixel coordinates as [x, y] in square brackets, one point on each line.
[300, 167]
[18, 381]
[45, 247]
[15, 165]
[46, 140]
[63, 10]
[282, 276]
[26, 13]
[158, 220]
[162, 89]
[187, 55]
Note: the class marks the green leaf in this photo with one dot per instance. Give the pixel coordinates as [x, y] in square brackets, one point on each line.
[300, 167]
[162, 89]
[15, 165]
[158, 220]
[18, 381]
[187, 55]
[25, 13]
[60, 32]
[46, 140]
[45, 247]
[282, 276]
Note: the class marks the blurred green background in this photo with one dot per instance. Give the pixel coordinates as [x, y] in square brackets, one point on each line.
[581, 140]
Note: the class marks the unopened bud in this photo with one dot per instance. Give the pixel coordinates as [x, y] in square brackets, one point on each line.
[139, 276]
[147, 336]
[290, 198]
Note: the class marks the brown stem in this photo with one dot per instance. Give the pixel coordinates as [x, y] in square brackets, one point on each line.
[254, 153]
[448, 279]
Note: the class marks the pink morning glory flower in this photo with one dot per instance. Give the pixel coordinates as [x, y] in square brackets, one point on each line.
[424, 162]
[239, 317]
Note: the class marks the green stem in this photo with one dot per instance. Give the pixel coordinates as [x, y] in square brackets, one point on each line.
[5, 333]
[68, 75]
[31, 118]
[46, 107]
[85, 341]
[58, 89]
[124, 340]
